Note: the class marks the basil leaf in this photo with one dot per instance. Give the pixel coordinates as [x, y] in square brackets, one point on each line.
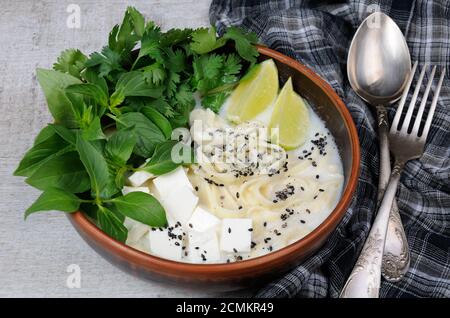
[120, 145]
[54, 199]
[102, 181]
[91, 90]
[134, 84]
[94, 130]
[66, 134]
[65, 172]
[148, 134]
[40, 153]
[141, 207]
[161, 161]
[111, 224]
[92, 77]
[45, 133]
[159, 120]
[61, 107]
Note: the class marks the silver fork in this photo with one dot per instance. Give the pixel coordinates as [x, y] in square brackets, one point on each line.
[364, 281]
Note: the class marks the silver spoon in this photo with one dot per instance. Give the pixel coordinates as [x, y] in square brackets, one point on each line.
[378, 67]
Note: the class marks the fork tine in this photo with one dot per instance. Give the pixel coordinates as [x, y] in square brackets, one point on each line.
[418, 120]
[398, 114]
[412, 104]
[426, 129]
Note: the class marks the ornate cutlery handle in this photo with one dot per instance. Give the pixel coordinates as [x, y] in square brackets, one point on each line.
[396, 252]
[364, 281]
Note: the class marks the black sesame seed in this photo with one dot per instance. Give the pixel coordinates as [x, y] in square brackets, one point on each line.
[302, 221]
[229, 230]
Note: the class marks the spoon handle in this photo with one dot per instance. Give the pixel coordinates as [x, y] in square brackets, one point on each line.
[396, 252]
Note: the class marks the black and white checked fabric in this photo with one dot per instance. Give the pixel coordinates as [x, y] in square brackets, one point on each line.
[318, 34]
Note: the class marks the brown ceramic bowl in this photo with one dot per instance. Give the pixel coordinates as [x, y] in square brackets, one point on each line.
[257, 270]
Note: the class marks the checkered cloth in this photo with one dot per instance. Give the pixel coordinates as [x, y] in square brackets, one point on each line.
[318, 34]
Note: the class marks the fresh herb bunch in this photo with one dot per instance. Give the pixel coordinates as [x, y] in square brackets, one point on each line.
[114, 113]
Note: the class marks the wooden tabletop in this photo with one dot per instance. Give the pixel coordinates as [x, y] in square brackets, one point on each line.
[35, 255]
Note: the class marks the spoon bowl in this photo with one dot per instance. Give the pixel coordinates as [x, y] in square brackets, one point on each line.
[378, 62]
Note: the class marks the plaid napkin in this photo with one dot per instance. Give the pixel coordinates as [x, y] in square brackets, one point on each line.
[318, 34]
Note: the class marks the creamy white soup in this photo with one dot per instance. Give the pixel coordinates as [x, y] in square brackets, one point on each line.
[246, 197]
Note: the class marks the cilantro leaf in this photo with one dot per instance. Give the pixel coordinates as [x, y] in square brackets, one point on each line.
[204, 40]
[106, 62]
[244, 43]
[70, 61]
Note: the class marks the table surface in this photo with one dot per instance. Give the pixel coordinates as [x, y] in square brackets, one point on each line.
[35, 255]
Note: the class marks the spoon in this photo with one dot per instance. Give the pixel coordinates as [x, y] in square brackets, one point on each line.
[378, 68]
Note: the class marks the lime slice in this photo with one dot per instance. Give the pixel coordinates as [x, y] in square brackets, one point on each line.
[255, 92]
[289, 123]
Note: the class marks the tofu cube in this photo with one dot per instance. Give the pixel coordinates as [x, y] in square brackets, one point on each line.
[203, 247]
[236, 235]
[138, 178]
[165, 243]
[202, 220]
[143, 244]
[127, 190]
[170, 181]
[179, 204]
[136, 232]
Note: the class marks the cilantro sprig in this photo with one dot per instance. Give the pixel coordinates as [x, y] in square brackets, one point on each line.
[114, 112]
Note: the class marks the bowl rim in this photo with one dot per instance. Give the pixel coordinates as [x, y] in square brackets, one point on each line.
[167, 266]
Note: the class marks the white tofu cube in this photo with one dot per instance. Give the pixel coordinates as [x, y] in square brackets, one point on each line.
[136, 232]
[236, 235]
[129, 223]
[170, 181]
[127, 190]
[143, 244]
[179, 204]
[138, 178]
[165, 243]
[203, 247]
[201, 220]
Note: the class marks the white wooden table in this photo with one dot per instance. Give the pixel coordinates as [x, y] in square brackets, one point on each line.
[34, 255]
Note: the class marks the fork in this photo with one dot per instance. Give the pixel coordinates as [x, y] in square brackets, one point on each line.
[405, 144]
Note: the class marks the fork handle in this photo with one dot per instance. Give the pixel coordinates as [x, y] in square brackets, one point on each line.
[396, 251]
[364, 281]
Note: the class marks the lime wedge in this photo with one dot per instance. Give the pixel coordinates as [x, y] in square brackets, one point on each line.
[255, 92]
[289, 123]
